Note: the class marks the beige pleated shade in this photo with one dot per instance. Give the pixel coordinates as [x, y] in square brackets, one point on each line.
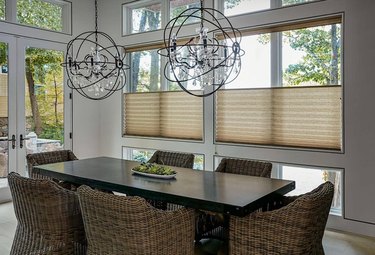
[308, 117]
[163, 114]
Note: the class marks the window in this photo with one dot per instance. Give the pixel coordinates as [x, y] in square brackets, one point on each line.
[46, 14]
[153, 15]
[145, 18]
[145, 71]
[2, 9]
[42, 14]
[307, 178]
[143, 155]
[245, 6]
[297, 101]
[155, 108]
[302, 56]
[178, 6]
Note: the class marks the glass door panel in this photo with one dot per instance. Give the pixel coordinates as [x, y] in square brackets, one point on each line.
[44, 100]
[8, 142]
[4, 148]
[34, 110]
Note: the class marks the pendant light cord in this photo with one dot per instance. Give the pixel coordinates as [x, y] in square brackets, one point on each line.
[201, 14]
[96, 21]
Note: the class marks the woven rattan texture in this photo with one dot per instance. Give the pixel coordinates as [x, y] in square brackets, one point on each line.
[49, 218]
[129, 225]
[212, 224]
[176, 159]
[47, 158]
[296, 228]
[245, 167]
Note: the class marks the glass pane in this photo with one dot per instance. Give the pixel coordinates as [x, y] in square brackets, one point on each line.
[141, 155]
[146, 18]
[178, 6]
[3, 114]
[244, 6]
[256, 63]
[145, 71]
[312, 56]
[39, 13]
[235, 7]
[44, 100]
[2, 9]
[309, 57]
[308, 179]
[198, 162]
[190, 85]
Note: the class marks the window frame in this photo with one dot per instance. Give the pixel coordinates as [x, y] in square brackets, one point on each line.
[277, 172]
[277, 72]
[274, 5]
[66, 15]
[127, 15]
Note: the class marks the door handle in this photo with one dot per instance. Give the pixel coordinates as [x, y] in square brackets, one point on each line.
[23, 139]
[13, 140]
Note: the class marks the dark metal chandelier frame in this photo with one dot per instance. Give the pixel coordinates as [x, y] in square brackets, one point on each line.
[101, 71]
[202, 60]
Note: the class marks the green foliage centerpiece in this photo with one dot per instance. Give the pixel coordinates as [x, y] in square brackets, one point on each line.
[154, 169]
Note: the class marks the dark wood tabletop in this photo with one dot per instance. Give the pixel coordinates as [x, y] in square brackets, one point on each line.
[219, 192]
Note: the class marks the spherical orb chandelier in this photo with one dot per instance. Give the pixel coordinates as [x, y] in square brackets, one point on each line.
[204, 63]
[95, 65]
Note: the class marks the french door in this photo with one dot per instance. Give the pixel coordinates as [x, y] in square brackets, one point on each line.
[35, 113]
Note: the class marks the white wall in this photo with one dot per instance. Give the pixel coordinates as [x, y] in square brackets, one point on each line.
[357, 160]
[86, 113]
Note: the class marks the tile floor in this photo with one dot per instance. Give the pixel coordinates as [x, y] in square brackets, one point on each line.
[335, 243]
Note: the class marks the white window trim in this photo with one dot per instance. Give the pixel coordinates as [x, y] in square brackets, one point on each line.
[127, 12]
[11, 15]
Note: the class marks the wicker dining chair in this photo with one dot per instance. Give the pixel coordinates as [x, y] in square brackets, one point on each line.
[129, 225]
[49, 157]
[245, 167]
[213, 225]
[49, 218]
[177, 159]
[297, 228]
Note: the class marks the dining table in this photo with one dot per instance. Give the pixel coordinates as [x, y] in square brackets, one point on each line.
[226, 193]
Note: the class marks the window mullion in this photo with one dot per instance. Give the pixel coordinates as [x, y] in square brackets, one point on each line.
[165, 14]
[163, 81]
[11, 11]
[276, 60]
[276, 4]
